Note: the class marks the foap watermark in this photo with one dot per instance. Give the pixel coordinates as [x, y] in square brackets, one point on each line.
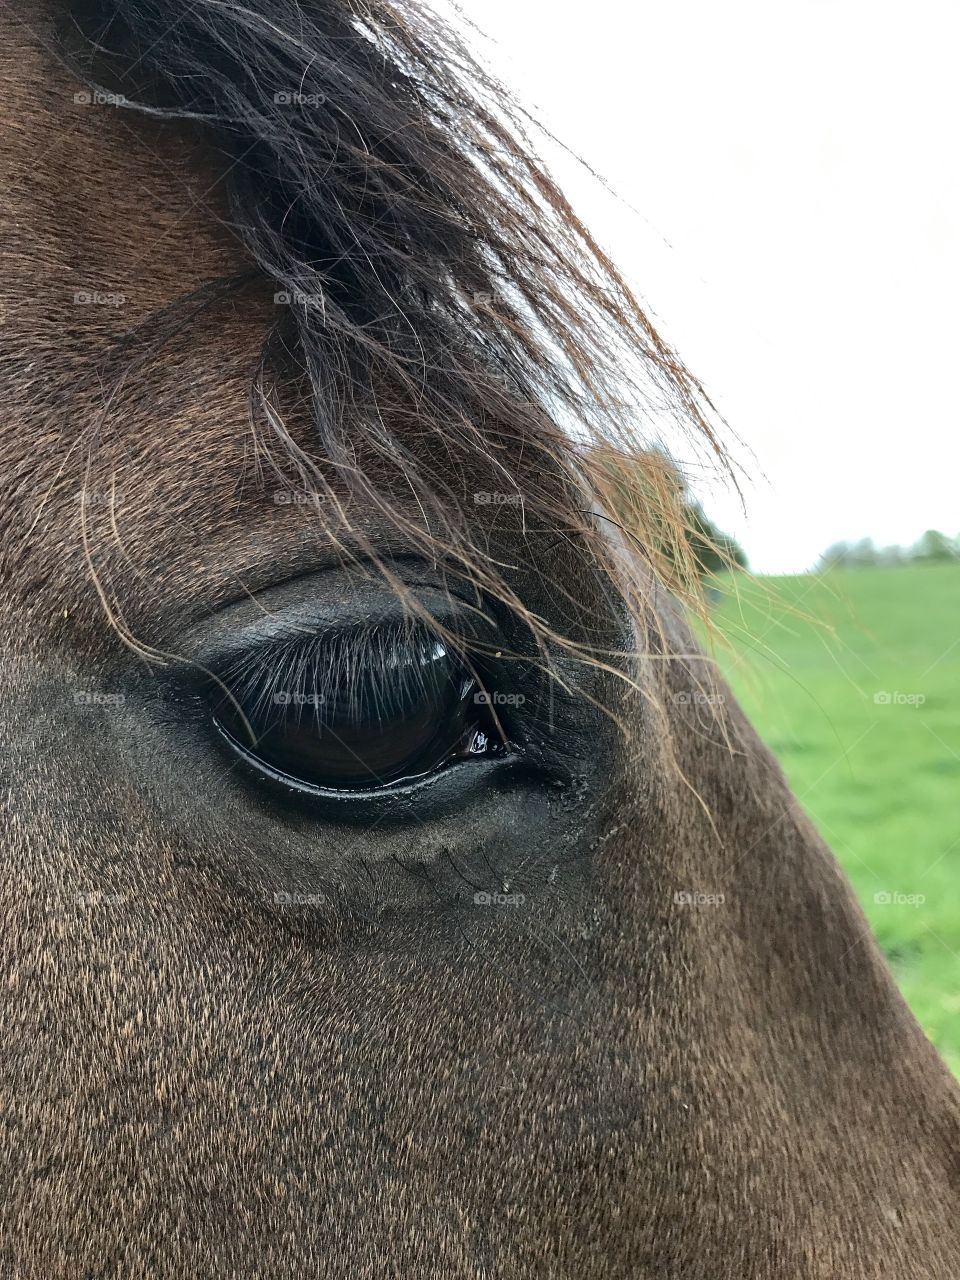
[896, 698]
[498, 699]
[94, 298]
[485, 898]
[479, 298]
[282, 899]
[484, 499]
[292, 698]
[101, 497]
[293, 98]
[97, 898]
[98, 98]
[892, 898]
[96, 698]
[287, 498]
[697, 698]
[297, 298]
[689, 898]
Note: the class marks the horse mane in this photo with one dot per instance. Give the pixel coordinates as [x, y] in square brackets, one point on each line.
[453, 324]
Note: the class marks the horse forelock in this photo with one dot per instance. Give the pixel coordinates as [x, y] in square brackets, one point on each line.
[437, 307]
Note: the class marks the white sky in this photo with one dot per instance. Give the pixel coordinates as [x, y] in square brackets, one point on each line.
[794, 173]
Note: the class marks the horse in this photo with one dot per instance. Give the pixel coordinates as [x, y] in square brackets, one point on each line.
[390, 884]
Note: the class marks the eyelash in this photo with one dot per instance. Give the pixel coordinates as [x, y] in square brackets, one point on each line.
[335, 660]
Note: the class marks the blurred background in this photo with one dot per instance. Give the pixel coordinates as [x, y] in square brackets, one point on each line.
[781, 184]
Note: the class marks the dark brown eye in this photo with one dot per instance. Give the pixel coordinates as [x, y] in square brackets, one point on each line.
[356, 712]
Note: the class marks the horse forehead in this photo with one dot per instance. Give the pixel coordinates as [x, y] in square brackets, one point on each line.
[108, 218]
[99, 195]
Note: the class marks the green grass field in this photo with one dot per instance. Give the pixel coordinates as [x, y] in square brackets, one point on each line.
[862, 707]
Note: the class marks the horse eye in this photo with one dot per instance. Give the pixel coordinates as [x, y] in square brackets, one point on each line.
[357, 715]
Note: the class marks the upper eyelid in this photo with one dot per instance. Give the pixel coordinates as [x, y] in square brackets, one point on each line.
[461, 620]
[273, 630]
[330, 654]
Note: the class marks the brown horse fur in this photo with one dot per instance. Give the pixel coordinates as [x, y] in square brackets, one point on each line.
[200, 1081]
